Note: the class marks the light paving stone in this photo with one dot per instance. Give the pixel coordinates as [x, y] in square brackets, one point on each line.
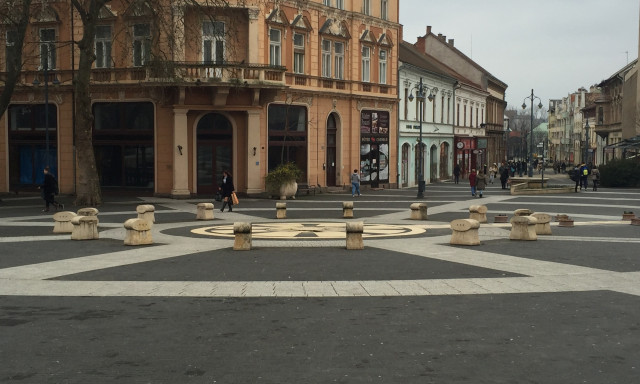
[466, 286]
[319, 289]
[258, 289]
[408, 288]
[437, 287]
[288, 289]
[349, 288]
[379, 288]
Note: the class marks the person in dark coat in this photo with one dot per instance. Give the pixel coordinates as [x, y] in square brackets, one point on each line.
[472, 182]
[481, 183]
[504, 176]
[456, 173]
[49, 190]
[226, 188]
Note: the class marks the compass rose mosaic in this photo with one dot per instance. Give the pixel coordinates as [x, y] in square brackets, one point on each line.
[308, 231]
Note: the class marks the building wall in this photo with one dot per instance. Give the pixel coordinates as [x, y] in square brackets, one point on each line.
[180, 103]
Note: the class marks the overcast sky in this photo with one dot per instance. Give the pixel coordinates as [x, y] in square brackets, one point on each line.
[552, 46]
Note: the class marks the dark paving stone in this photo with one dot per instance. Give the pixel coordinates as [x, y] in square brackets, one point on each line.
[21, 253]
[617, 257]
[526, 338]
[291, 264]
[36, 230]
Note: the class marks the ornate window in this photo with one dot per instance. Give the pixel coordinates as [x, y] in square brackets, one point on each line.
[141, 44]
[103, 46]
[275, 42]
[366, 64]
[47, 48]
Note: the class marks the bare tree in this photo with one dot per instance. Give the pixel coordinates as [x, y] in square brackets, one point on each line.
[88, 181]
[15, 16]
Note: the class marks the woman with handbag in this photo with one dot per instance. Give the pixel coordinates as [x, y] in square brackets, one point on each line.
[227, 189]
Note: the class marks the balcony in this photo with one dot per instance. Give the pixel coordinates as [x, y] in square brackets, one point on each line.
[192, 72]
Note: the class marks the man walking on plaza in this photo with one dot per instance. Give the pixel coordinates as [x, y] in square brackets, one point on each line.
[355, 183]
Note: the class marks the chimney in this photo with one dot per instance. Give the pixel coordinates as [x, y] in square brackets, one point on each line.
[440, 36]
[444, 38]
[451, 42]
[428, 29]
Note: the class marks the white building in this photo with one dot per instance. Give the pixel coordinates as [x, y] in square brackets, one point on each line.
[437, 108]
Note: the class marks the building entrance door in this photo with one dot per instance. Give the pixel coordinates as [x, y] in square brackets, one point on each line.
[215, 154]
[330, 165]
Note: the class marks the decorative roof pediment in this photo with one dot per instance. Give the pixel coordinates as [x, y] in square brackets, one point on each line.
[368, 37]
[301, 22]
[385, 40]
[138, 9]
[46, 14]
[335, 28]
[106, 12]
[277, 17]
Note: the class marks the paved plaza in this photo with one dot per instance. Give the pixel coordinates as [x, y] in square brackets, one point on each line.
[300, 308]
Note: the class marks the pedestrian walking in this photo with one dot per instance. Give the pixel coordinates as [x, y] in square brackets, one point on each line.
[584, 176]
[355, 183]
[481, 183]
[504, 176]
[595, 175]
[227, 188]
[492, 172]
[49, 190]
[472, 181]
[456, 173]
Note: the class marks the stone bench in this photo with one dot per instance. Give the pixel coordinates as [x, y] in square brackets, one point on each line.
[354, 232]
[565, 221]
[88, 212]
[138, 232]
[242, 236]
[523, 228]
[204, 211]
[501, 218]
[63, 222]
[635, 221]
[465, 232]
[628, 215]
[347, 209]
[523, 212]
[281, 210]
[478, 212]
[418, 211]
[543, 226]
[84, 228]
[146, 212]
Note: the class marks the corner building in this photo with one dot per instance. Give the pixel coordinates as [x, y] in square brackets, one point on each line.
[183, 92]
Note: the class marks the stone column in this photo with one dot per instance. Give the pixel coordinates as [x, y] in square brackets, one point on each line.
[180, 155]
[254, 176]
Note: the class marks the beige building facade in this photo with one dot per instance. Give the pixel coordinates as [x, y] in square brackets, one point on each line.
[241, 88]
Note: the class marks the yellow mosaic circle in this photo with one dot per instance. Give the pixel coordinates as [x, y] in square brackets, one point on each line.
[310, 231]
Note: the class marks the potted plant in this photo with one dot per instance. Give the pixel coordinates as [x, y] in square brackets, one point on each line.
[282, 180]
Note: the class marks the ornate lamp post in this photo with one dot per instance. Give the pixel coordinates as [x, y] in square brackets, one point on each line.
[586, 142]
[36, 82]
[420, 93]
[524, 106]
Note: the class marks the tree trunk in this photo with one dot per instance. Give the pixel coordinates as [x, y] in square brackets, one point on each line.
[13, 76]
[88, 191]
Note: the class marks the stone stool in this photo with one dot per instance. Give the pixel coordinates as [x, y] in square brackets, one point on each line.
[146, 211]
[561, 216]
[565, 222]
[635, 221]
[628, 215]
[543, 226]
[465, 232]
[204, 211]
[523, 228]
[63, 222]
[242, 233]
[354, 235]
[138, 232]
[84, 228]
[418, 211]
[501, 218]
[347, 209]
[522, 212]
[478, 212]
[88, 212]
[281, 210]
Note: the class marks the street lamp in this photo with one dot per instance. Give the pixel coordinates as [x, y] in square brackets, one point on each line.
[586, 142]
[506, 138]
[36, 82]
[420, 93]
[524, 106]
